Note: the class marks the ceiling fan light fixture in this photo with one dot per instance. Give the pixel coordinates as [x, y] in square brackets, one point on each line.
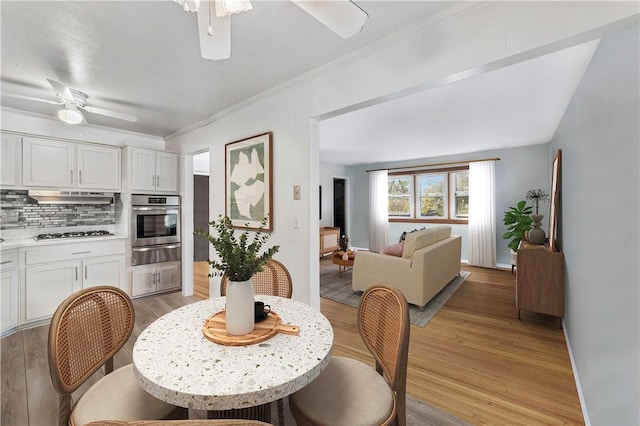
[70, 115]
[343, 17]
[189, 5]
[229, 7]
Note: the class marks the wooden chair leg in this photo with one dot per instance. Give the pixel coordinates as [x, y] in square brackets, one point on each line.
[280, 412]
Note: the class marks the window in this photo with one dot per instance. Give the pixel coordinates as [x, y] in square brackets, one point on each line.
[400, 199]
[435, 196]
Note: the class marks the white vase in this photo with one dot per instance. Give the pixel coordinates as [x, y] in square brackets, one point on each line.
[239, 307]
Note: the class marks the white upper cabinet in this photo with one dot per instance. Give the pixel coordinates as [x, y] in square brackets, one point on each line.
[9, 160]
[67, 165]
[98, 167]
[153, 171]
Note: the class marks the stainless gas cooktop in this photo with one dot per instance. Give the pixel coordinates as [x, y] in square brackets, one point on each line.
[73, 234]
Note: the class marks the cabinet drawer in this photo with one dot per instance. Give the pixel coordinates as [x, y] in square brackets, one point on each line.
[9, 260]
[56, 253]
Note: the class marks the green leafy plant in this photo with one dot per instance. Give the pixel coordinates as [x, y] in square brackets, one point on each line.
[518, 221]
[239, 258]
[344, 243]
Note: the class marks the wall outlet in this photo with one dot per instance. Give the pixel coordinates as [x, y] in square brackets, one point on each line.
[296, 222]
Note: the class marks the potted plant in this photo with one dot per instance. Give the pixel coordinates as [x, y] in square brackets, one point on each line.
[537, 235]
[239, 260]
[518, 222]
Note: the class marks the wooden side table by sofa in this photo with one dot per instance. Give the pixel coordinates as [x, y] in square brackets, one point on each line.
[343, 264]
[540, 280]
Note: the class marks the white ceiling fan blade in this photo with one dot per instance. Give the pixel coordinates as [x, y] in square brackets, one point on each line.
[218, 44]
[29, 98]
[62, 90]
[343, 17]
[109, 113]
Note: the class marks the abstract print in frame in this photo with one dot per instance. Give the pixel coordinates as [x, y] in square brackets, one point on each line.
[248, 182]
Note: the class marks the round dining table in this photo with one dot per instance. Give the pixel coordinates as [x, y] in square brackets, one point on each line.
[175, 362]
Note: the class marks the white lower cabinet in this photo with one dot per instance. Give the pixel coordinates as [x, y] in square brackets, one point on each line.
[9, 291]
[53, 273]
[151, 279]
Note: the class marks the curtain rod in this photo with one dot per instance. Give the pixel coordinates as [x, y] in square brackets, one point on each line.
[435, 164]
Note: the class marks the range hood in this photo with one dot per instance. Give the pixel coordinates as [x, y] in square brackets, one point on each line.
[72, 197]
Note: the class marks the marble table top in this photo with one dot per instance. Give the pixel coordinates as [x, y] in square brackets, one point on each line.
[174, 362]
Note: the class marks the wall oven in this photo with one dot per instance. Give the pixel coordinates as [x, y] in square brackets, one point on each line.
[155, 228]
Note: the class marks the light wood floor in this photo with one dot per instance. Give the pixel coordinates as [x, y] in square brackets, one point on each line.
[474, 360]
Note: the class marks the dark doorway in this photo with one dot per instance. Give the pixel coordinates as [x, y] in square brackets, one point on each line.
[339, 205]
[200, 216]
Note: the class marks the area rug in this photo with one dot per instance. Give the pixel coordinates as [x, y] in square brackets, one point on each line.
[336, 286]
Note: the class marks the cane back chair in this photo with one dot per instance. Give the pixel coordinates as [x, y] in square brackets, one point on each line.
[273, 280]
[349, 392]
[87, 329]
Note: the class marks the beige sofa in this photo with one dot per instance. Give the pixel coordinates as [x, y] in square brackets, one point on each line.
[430, 259]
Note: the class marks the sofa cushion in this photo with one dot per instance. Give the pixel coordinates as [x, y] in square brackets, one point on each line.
[417, 240]
[393, 250]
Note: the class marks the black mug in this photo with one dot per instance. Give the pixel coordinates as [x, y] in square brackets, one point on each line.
[262, 311]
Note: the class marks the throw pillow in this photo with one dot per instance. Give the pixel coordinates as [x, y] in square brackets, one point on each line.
[403, 236]
[393, 250]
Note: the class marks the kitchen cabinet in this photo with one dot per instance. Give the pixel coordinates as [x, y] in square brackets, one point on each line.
[9, 290]
[10, 160]
[68, 165]
[155, 278]
[54, 272]
[152, 171]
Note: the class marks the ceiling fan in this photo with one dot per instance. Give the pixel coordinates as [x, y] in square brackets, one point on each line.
[73, 101]
[343, 17]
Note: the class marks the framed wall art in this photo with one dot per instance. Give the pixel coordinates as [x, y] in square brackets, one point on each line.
[249, 183]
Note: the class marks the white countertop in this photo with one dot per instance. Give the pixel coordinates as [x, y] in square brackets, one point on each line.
[15, 243]
[175, 362]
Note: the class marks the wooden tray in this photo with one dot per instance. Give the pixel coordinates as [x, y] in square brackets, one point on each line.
[214, 329]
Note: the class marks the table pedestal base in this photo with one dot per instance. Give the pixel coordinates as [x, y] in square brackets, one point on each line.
[260, 412]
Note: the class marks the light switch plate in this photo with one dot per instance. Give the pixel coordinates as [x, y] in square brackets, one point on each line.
[296, 192]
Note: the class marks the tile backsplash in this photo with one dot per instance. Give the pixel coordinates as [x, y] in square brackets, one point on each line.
[19, 211]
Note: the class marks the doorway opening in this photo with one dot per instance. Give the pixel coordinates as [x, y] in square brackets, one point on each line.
[339, 205]
[200, 221]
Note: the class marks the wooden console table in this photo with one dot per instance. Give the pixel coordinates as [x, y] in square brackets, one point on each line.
[540, 280]
[328, 239]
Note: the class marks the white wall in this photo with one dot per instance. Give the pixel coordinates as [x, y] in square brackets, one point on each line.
[479, 37]
[599, 232]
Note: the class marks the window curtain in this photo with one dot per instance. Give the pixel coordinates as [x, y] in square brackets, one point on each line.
[378, 209]
[482, 215]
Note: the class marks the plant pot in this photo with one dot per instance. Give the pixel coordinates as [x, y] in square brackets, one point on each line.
[536, 234]
[240, 308]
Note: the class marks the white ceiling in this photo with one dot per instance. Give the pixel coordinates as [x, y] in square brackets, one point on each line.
[518, 105]
[143, 58]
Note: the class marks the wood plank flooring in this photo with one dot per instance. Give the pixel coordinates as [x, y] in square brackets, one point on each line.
[474, 362]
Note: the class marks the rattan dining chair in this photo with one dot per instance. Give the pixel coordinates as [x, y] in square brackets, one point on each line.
[273, 280]
[195, 422]
[87, 329]
[348, 392]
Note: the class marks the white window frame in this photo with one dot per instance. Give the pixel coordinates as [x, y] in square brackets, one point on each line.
[410, 195]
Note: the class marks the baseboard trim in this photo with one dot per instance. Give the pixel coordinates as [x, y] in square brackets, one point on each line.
[583, 405]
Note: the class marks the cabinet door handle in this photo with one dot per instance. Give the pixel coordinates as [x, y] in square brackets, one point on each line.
[71, 175]
[81, 252]
[85, 272]
[157, 181]
[153, 181]
[76, 268]
[4, 262]
[80, 176]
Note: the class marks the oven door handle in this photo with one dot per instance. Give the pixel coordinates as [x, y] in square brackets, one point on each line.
[169, 246]
[155, 208]
[144, 248]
